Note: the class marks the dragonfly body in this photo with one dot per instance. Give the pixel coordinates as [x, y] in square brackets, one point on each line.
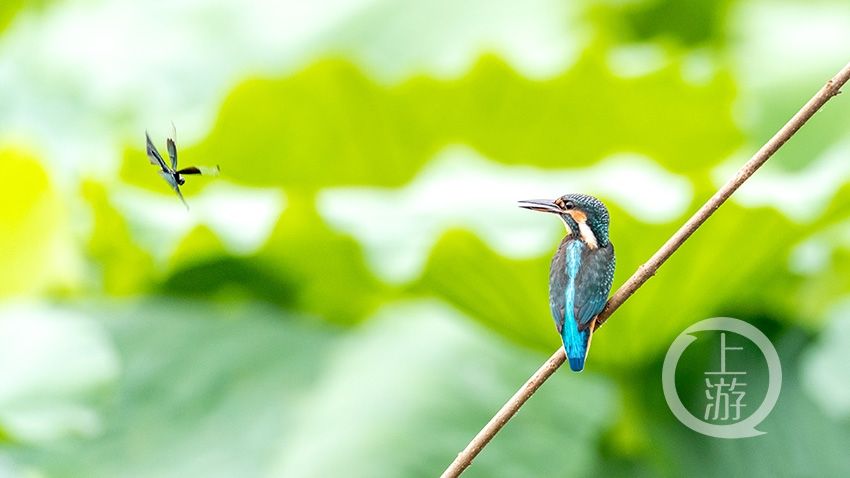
[170, 173]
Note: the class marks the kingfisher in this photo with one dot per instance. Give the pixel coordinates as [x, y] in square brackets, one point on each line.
[582, 270]
[172, 175]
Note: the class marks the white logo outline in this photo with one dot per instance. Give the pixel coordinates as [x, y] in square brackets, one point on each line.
[744, 428]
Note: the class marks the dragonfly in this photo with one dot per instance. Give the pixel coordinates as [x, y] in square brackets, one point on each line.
[172, 175]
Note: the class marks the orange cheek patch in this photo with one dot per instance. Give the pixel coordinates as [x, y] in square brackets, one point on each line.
[581, 218]
[578, 216]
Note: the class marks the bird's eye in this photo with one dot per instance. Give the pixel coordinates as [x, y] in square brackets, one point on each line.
[569, 205]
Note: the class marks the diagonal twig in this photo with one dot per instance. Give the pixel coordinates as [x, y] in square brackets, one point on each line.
[648, 269]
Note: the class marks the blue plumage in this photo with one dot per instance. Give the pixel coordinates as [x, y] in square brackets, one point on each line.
[575, 340]
[582, 271]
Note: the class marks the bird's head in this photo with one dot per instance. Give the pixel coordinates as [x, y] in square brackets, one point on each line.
[583, 215]
[180, 179]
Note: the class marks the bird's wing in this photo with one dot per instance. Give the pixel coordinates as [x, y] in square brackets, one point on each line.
[593, 283]
[153, 155]
[557, 285]
[176, 187]
[201, 170]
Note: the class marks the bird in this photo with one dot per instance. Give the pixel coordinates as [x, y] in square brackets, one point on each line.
[172, 175]
[582, 270]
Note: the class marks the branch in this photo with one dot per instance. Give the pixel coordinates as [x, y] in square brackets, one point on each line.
[649, 268]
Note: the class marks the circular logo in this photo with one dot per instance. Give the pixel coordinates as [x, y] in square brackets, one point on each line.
[724, 388]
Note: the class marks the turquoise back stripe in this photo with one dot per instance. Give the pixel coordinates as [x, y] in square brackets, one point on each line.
[575, 341]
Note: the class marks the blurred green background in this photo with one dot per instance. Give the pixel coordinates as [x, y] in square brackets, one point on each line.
[358, 293]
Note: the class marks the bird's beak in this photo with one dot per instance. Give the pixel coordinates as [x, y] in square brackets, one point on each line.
[542, 205]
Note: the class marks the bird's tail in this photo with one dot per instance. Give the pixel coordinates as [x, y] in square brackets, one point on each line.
[577, 343]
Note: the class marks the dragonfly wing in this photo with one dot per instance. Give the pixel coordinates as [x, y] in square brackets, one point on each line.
[201, 170]
[153, 155]
[176, 187]
[172, 152]
[172, 147]
[180, 195]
